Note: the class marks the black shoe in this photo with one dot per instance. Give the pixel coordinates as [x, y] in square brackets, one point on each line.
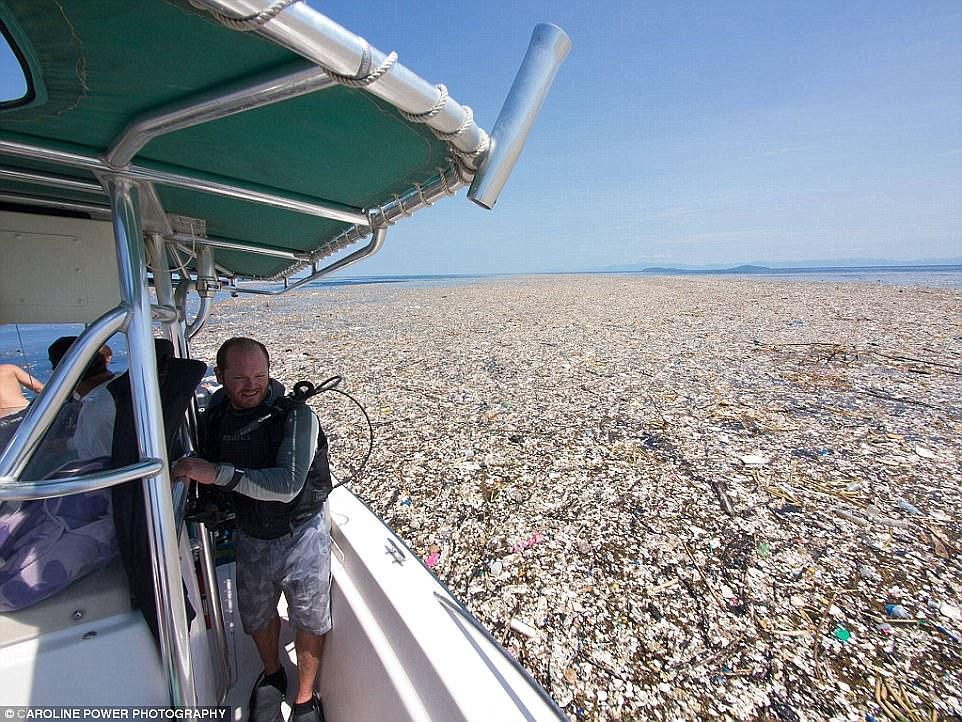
[266, 698]
[314, 713]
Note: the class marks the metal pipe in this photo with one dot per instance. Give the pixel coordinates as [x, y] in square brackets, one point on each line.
[302, 204]
[11, 489]
[188, 240]
[209, 571]
[547, 50]
[185, 286]
[377, 240]
[42, 412]
[203, 311]
[145, 397]
[421, 196]
[164, 314]
[307, 32]
[255, 93]
[175, 332]
[206, 285]
[92, 209]
[157, 253]
[60, 157]
[298, 204]
[53, 181]
[153, 218]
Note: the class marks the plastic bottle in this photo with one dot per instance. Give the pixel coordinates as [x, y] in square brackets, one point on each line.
[897, 611]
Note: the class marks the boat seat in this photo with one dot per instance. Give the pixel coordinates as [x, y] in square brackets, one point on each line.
[101, 594]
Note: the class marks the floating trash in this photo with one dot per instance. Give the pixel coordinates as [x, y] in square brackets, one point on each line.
[951, 611]
[521, 628]
[897, 611]
[634, 423]
[907, 507]
[527, 543]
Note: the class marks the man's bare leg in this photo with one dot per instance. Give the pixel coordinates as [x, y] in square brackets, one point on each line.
[309, 647]
[267, 641]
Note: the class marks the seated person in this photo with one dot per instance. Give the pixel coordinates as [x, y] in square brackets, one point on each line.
[96, 372]
[12, 379]
[46, 544]
[55, 448]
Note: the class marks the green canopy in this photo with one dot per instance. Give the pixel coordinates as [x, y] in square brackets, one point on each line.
[94, 67]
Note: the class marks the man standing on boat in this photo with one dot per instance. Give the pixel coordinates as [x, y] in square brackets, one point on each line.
[270, 453]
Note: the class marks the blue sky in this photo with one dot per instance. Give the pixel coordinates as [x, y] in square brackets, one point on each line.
[694, 133]
[699, 133]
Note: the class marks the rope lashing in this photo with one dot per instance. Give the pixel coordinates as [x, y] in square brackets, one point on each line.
[249, 23]
[420, 190]
[362, 81]
[400, 203]
[465, 173]
[435, 109]
[468, 119]
[444, 181]
[365, 77]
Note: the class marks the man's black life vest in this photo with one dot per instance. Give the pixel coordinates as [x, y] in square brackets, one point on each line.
[250, 439]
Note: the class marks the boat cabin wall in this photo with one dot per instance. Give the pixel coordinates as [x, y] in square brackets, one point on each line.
[56, 269]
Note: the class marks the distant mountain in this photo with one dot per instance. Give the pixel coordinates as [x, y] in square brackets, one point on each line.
[746, 268]
[771, 266]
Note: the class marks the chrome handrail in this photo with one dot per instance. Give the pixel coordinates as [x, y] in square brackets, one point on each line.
[187, 241]
[12, 489]
[148, 421]
[377, 240]
[209, 570]
[256, 93]
[291, 202]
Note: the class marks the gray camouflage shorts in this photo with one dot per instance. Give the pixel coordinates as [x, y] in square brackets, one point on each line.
[299, 565]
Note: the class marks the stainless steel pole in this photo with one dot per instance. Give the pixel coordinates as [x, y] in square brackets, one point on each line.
[162, 285]
[148, 418]
[548, 48]
[209, 570]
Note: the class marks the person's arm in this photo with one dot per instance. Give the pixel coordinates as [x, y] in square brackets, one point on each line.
[28, 381]
[281, 482]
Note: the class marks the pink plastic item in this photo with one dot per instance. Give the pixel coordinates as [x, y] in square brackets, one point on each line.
[529, 542]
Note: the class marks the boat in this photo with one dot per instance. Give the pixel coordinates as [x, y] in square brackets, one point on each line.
[166, 152]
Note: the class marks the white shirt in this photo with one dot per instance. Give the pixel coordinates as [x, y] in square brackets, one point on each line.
[95, 424]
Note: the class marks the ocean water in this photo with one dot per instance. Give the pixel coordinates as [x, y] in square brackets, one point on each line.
[912, 276]
[26, 344]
